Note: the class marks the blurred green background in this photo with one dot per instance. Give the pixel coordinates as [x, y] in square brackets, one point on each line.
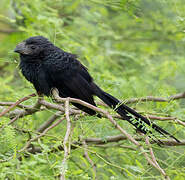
[131, 48]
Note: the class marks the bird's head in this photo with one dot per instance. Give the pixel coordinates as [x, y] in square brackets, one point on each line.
[33, 46]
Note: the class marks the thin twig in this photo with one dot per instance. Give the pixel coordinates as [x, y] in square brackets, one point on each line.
[40, 135]
[155, 161]
[49, 121]
[177, 96]
[150, 98]
[99, 142]
[12, 103]
[89, 159]
[145, 99]
[66, 143]
[16, 103]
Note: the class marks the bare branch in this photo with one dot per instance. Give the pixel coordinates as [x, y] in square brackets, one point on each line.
[145, 99]
[177, 96]
[155, 161]
[155, 99]
[117, 138]
[59, 99]
[42, 134]
[66, 143]
[158, 118]
[89, 159]
[16, 103]
[99, 142]
[44, 128]
[12, 103]
[108, 139]
[49, 121]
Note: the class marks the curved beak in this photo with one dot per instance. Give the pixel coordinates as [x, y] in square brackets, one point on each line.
[20, 48]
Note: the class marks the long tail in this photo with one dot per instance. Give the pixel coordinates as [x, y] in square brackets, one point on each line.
[130, 115]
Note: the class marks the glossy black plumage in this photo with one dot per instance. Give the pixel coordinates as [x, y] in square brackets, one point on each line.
[47, 67]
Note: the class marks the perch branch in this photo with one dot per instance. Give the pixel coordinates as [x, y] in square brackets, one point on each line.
[59, 99]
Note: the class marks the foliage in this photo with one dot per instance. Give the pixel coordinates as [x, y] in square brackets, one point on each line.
[131, 48]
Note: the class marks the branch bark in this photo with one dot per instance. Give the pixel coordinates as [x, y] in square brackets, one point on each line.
[17, 103]
[66, 143]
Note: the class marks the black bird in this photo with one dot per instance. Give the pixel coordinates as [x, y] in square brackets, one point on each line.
[47, 66]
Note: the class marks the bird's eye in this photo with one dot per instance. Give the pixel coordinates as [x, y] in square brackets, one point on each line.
[32, 47]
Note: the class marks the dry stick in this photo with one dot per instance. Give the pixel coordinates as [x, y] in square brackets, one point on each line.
[98, 142]
[59, 99]
[120, 137]
[66, 143]
[86, 155]
[145, 99]
[89, 159]
[115, 145]
[16, 103]
[27, 111]
[110, 139]
[177, 96]
[166, 119]
[177, 121]
[11, 103]
[33, 109]
[49, 121]
[150, 98]
[40, 135]
[13, 120]
[180, 122]
[58, 107]
[158, 118]
[156, 99]
[30, 110]
[107, 139]
[155, 161]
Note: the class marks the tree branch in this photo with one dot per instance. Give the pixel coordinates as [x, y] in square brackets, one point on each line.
[155, 161]
[44, 128]
[129, 137]
[66, 143]
[42, 134]
[17, 103]
[155, 99]
[89, 159]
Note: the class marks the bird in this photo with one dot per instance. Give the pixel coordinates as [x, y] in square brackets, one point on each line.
[47, 66]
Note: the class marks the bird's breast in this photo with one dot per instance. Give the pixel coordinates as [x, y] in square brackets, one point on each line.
[36, 74]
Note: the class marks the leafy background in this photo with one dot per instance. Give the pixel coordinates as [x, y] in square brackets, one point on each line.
[131, 48]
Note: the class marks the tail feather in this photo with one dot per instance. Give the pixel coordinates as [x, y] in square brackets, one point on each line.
[138, 120]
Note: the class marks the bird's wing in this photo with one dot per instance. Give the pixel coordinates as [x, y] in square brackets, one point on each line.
[72, 79]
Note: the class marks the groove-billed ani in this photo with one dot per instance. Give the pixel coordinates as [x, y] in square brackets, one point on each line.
[47, 67]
